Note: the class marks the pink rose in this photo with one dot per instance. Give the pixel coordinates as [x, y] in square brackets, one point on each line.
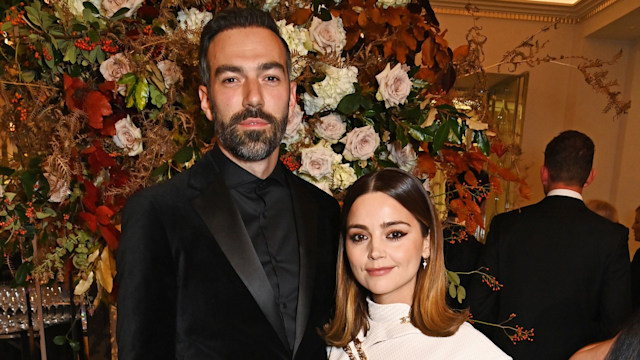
[395, 85]
[328, 37]
[128, 136]
[317, 161]
[360, 143]
[114, 67]
[405, 157]
[170, 72]
[331, 128]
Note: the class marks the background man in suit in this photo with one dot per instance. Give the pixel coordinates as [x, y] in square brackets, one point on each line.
[564, 268]
[235, 257]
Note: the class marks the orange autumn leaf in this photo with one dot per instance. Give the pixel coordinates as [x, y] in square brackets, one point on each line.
[393, 17]
[524, 190]
[300, 16]
[111, 235]
[401, 51]
[440, 40]
[495, 184]
[460, 53]
[388, 48]
[71, 84]
[498, 148]
[405, 36]
[507, 174]
[96, 105]
[376, 15]
[426, 75]
[362, 19]
[428, 52]
[426, 164]
[442, 59]
[353, 35]
[470, 178]
[349, 18]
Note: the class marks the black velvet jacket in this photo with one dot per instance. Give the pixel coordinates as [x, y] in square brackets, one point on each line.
[191, 285]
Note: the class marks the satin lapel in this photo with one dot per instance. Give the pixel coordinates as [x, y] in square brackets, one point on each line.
[218, 211]
[306, 219]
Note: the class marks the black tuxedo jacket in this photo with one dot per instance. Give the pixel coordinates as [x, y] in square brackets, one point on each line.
[565, 272]
[192, 287]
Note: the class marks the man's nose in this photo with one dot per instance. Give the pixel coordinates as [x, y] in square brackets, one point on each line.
[252, 94]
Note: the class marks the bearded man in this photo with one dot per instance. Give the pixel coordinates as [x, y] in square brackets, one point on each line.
[235, 257]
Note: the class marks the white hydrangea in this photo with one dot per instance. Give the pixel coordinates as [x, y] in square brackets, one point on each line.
[392, 3]
[270, 4]
[193, 20]
[296, 37]
[343, 176]
[337, 84]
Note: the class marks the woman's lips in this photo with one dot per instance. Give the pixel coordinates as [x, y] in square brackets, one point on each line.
[379, 271]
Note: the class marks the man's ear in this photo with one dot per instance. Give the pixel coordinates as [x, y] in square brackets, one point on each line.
[592, 175]
[544, 175]
[205, 104]
[292, 97]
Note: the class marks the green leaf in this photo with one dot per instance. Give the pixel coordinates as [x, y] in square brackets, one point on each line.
[91, 7]
[33, 15]
[6, 26]
[452, 290]
[50, 63]
[88, 15]
[128, 79]
[462, 294]
[183, 155]
[47, 212]
[75, 345]
[157, 97]
[93, 36]
[60, 340]
[100, 55]
[141, 93]
[119, 14]
[349, 104]
[454, 278]
[93, 54]
[23, 271]
[325, 14]
[160, 170]
[10, 195]
[441, 136]
[483, 142]
[28, 179]
[71, 54]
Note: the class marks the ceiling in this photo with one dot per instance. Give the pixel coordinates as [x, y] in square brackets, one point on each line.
[622, 25]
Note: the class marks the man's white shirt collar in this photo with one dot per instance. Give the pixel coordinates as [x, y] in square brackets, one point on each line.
[565, 192]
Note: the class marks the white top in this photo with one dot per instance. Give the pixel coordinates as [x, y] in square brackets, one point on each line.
[565, 192]
[390, 337]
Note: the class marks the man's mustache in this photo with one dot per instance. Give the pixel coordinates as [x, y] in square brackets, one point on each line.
[251, 112]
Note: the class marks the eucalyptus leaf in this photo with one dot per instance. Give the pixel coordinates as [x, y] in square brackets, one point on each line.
[452, 290]
[60, 340]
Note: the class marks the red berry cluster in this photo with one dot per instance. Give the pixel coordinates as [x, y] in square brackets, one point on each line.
[85, 44]
[491, 281]
[19, 109]
[521, 334]
[109, 47]
[147, 30]
[46, 55]
[17, 18]
[290, 162]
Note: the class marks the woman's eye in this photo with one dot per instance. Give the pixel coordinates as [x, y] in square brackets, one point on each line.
[396, 235]
[357, 237]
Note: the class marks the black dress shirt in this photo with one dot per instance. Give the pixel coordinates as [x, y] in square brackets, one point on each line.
[267, 213]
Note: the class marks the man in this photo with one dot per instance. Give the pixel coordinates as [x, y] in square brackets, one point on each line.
[635, 265]
[234, 258]
[564, 268]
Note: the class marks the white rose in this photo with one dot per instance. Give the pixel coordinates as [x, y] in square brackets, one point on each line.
[343, 176]
[331, 128]
[112, 6]
[170, 72]
[114, 67]
[405, 157]
[395, 85]
[360, 143]
[193, 20]
[328, 37]
[337, 84]
[392, 3]
[128, 136]
[294, 121]
[476, 125]
[317, 161]
[58, 188]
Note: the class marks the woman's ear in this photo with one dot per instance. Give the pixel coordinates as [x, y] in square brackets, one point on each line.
[426, 247]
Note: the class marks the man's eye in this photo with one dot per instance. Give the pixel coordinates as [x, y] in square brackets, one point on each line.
[272, 78]
[229, 80]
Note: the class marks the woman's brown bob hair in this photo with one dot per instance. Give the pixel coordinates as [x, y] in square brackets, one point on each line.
[429, 311]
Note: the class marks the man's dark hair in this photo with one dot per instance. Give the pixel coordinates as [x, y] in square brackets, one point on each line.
[569, 158]
[234, 18]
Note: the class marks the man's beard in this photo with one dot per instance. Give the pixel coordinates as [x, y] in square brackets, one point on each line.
[250, 145]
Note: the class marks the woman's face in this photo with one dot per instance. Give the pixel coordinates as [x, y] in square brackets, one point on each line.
[384, 246]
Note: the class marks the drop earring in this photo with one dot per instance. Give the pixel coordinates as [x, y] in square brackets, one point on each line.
[424, 263]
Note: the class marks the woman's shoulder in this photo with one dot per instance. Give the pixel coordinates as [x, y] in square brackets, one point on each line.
[476, 344]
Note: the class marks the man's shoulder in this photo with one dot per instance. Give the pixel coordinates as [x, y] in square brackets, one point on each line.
[313, 191]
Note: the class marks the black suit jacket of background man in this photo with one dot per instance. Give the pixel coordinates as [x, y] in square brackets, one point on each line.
[565, 272]
[192, 287]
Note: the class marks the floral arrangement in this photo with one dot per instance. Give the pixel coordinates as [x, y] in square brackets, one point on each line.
[98, 99]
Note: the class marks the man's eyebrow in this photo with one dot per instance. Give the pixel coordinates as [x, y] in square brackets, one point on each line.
[228, 68]
[271, 65]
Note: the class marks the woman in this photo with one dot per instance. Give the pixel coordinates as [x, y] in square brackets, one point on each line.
[391, 282]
